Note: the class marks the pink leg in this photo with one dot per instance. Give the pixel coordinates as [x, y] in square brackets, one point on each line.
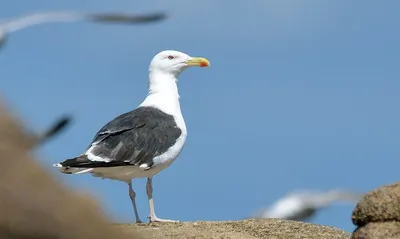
[153, 217]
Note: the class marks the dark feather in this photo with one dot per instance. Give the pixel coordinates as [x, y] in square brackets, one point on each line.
[127, 18]
[133, 138]
[54, 129]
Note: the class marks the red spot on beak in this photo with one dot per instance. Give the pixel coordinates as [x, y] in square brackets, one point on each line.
[203, 64]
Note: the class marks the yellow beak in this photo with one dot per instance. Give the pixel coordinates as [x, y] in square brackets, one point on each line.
[198, 61]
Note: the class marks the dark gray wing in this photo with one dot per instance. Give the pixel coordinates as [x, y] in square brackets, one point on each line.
[133, 138]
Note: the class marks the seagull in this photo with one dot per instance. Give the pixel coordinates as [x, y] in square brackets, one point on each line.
[146, 140]
[60, 124]
[16, 24]
[303, 205]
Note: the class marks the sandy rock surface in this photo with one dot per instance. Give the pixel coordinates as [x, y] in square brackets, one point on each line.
[245, 229]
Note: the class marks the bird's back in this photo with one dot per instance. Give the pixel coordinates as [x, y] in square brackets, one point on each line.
[132, 138]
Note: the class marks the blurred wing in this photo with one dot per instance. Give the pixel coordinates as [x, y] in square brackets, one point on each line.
[40, 18]
[126, 18]
[54, 129]
[343, 195]
[46, 17]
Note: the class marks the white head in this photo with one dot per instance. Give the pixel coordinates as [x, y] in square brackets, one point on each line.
[164, 70]
[174, 62]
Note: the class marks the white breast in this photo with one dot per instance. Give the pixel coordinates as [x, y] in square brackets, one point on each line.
[165, 159]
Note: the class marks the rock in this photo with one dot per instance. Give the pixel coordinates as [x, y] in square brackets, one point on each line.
[33, 204]
[245, 229]
[378, 230]
[382, 204]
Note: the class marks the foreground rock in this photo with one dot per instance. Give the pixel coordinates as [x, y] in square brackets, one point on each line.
[33, 204]
[378, 230]
[246, 229]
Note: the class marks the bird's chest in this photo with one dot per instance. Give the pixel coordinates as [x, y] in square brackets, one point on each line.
[165, 159]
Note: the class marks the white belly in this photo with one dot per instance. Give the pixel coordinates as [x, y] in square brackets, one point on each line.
[123, 173]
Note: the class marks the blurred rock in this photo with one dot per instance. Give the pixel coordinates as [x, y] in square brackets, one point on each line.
[382, 204]
[33, 204]
[378, 230]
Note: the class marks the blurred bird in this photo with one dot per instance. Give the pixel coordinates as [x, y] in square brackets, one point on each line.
[16, 24]
[303, 205]
[57, 127]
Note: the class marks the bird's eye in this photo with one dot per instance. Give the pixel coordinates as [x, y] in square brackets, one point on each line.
[170, 57]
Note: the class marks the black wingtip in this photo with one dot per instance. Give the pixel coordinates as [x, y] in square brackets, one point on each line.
[56, 128]
[59, 125]
[127, 18]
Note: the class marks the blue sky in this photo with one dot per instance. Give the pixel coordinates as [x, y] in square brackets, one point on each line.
[300, 94]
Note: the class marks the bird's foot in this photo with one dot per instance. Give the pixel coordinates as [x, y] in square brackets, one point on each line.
[138, 221]
[156, 219]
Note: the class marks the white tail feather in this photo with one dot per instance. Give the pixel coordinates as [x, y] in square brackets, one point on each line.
[85, 171]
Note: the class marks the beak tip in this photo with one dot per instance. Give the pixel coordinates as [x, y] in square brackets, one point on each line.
[198, 61]
[204, 64]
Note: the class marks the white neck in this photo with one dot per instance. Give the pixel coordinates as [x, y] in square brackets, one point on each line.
[163, 93]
